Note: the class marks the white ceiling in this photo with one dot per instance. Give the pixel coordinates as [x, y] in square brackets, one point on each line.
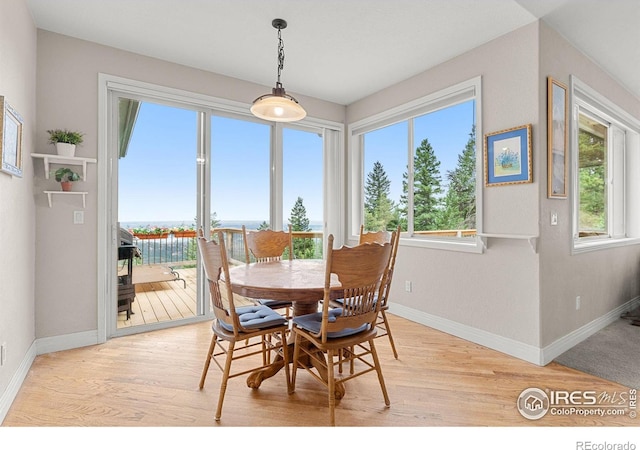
[340, 50]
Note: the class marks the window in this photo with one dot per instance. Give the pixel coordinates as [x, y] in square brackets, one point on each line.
[417, 167]
[240, 172]
[606, 159]
[592, 176]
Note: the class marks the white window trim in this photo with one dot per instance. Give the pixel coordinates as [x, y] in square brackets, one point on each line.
[465, 90]
[624, 219]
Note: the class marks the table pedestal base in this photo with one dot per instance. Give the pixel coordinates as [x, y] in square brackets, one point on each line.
[254, 380]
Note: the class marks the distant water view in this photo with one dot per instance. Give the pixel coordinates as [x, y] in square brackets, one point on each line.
[250, 224]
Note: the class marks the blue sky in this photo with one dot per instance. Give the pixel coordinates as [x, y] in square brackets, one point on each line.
[447, 131]
[157, 178]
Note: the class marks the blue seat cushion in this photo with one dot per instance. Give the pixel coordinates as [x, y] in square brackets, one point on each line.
[313, 322]
[256, 317]
[273, 303]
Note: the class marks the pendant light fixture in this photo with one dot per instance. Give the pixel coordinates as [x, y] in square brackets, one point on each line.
[278, 106]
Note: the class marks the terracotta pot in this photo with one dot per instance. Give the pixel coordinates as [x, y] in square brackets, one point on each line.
[66, 185]
[189, 233]
[150, 236]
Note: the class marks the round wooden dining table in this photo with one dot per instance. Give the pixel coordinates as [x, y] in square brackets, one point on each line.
[300, 281]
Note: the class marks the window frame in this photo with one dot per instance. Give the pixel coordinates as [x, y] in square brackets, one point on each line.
[450, 96]
[623, 191]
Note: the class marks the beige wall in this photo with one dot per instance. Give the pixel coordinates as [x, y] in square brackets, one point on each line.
[603, 279]
[496, 292]
[17, 213]
[68, 98]
[509, 291]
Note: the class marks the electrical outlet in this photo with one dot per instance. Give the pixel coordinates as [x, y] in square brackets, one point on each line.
[578, 302]
[554, 218]
[407, 286]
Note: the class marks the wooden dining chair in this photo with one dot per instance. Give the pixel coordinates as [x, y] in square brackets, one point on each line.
[265, 246]
[373, 236]
[383, 321]
[321, 337]
[234, 327]
[382, 237]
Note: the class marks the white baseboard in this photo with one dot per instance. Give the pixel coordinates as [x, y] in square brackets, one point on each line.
[16, 382]
[558, 347]
[511, 347]
[493, 341]
[66, 342]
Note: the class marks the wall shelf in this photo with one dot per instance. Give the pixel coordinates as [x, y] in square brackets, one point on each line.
[68, 160]
[533, 240]
[50, 195]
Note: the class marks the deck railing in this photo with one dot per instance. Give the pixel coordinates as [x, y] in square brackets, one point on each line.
[181, 249]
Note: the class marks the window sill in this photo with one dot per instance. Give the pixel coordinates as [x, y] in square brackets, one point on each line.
[469, 245]
[602, 244]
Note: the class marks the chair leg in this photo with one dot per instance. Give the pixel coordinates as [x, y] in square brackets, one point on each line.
[387, 329]
[285, 356]
[205, 370]
[266, 353]
[225, 378]
[352, 361]
[331, 386]
[376, 363]
[294, 363]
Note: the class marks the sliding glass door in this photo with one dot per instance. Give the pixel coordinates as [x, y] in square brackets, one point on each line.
[157, 214]
[172, 161]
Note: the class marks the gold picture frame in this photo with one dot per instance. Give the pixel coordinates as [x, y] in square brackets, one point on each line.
[10, 139]
[557, 148]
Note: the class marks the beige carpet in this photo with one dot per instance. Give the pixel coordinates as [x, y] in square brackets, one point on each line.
[613, 353]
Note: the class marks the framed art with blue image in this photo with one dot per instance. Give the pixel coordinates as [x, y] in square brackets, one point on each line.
[507, 156]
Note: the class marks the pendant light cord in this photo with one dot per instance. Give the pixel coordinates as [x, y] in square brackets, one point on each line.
[280, 56]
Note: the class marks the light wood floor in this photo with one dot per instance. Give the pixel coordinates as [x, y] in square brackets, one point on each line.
[151, 379]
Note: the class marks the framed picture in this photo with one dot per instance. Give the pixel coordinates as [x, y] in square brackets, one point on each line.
[10, 139]
[507, 156]
[556, 139]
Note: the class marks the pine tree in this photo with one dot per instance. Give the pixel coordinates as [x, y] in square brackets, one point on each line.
[214, 222]
[591, 170]
[302, 248]
[378, 206]
[427, 189]
[460, 201]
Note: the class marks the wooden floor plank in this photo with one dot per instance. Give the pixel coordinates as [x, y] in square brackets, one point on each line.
[151, 379]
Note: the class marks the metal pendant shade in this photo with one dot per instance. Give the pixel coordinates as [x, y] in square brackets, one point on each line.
[278, 106]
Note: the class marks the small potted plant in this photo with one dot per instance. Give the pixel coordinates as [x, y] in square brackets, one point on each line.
[65, 141]
[66, 177]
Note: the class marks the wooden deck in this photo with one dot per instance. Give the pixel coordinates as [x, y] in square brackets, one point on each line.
[163, 301]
